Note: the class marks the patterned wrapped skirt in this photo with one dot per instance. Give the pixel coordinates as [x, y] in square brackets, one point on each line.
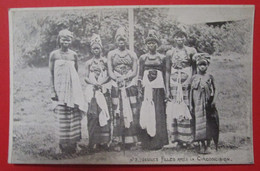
[68, 127]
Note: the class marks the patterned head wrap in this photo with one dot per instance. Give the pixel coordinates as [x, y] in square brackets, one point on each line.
[66, 34]
[202, 58]
[180, 34]
[120, 34]
[95, 40]
[152, 36]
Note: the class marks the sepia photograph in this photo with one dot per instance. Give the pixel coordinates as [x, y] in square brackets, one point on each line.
[159, 85]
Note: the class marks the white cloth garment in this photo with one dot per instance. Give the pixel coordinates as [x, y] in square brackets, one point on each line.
[177, 109]
[147, 112]
[67, 84]
[102, 103]
[127, 110]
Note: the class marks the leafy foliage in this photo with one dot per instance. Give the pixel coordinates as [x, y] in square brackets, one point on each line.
[230, 36]
[35, 33]
[233, 36]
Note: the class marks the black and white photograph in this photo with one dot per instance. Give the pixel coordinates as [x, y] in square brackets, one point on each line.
[161, 85]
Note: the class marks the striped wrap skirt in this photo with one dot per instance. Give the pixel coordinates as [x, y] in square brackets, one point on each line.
[180, 129]
[97, 134]
[68, 126]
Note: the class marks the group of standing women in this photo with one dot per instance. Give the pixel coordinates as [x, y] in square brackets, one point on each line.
[154, 101]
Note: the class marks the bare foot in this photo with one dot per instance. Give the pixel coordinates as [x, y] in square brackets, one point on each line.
[206, 151]
[117, 148]
[58, 150]
[78, 148]
[201, 151]
[171, 145]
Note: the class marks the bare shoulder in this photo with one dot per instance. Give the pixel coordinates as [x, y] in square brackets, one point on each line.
[54, 54]
[111, 53]
[169, 52]
[168, 55]
[72, 52]
[195, 76]
[191, 50]
[142, 57]
[88, 62]
[132, 53]
[161, 56]
[211, 77]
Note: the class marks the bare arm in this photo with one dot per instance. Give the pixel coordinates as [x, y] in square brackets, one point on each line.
[76, 62]
[167, 74]
[193, 62]
[140, 76]
[51, 67]
[110, 67]
[141, 68]
[191, 96]
[106, 79]
[214, 89]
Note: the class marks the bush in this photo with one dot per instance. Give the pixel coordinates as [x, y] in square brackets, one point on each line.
[233, 36]
[35, 33]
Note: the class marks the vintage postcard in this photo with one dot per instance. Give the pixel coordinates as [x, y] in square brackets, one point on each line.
[159, 85]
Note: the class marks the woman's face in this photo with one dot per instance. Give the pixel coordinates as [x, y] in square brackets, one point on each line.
[65, 42]
[96, 50]
[152, 45]
[179, 40]
[203, 67]
[121, 43]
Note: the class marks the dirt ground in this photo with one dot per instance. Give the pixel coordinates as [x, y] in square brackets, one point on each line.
[33, 120]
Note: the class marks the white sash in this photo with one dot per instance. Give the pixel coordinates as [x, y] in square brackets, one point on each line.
[177, 109]
[147, 112]
[100, 98]
[126, 107]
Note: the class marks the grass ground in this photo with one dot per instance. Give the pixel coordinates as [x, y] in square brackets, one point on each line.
[33, 120]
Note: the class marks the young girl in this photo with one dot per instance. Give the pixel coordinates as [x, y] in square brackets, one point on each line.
[97, 96]
[202, 99]
[122, 69]
[179, 70]
[151, 86]
[67, 93]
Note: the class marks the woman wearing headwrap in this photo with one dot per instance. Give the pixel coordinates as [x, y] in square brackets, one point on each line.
[97, 96]
[66, 93]
[122, 68]
[202, 100]
[179, 70]
[151, 84]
